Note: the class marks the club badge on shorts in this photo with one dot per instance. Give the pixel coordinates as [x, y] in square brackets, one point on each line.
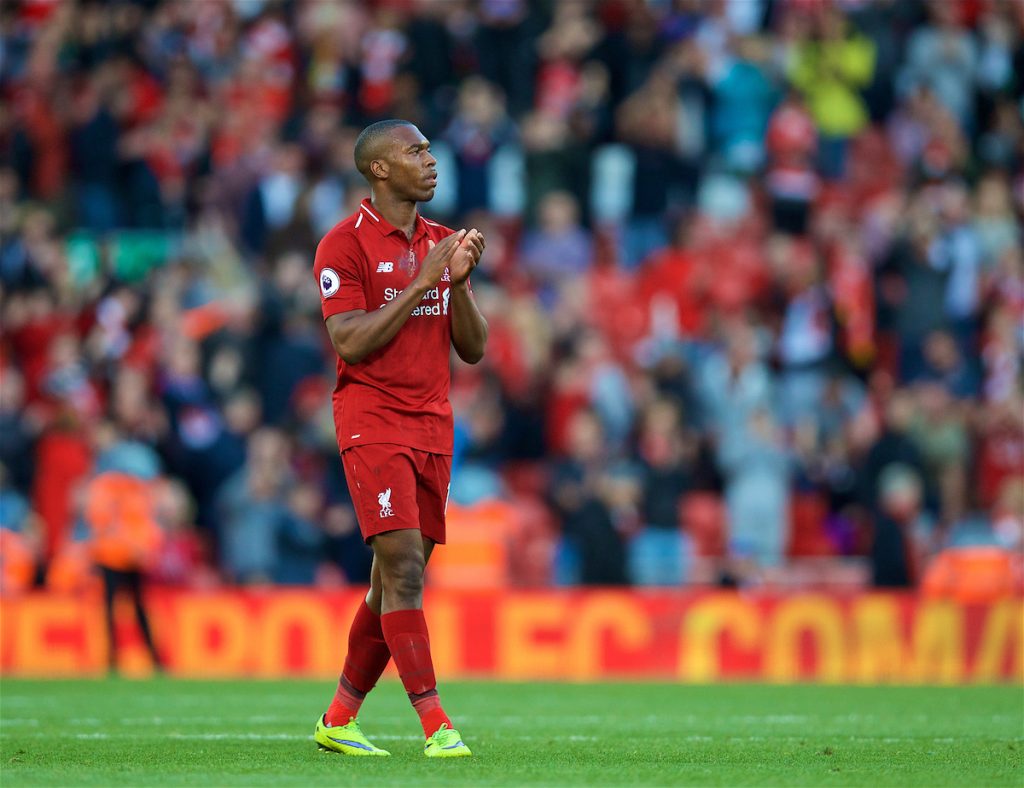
[384, 500]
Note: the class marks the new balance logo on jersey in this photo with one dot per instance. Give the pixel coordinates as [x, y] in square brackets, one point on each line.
[384, 499]
[385, 267]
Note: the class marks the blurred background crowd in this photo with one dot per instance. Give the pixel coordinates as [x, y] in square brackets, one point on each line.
[754, 280]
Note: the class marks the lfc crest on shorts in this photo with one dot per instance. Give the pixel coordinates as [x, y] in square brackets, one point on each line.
[384, 499]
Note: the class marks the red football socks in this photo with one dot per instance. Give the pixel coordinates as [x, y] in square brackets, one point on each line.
[432, 716]
[368, 655]
[406, 634]
[345, 705]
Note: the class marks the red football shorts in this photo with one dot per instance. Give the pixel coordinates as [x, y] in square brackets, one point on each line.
[395, 487]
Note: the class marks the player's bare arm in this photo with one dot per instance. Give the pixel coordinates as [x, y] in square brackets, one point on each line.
[469, 327]
[358, 333]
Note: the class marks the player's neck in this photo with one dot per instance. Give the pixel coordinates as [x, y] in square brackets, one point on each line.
[400, 213]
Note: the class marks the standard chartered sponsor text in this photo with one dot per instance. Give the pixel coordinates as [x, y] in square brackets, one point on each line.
[433, 294]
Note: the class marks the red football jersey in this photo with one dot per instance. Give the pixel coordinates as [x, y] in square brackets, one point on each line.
[399, 393]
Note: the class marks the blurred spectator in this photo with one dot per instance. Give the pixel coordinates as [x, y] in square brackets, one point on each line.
[941, 436]
[647, 122]
[94, 155]
[791, 180]
[744, 96]
[910, 288]
[1008, 518]
[956, 250]
[673, 284]
[274, 207]
[631, 49]
[201, 447]
[299, 539]
[479, 129]
[735, 383]
[504, 47]
[63, 459]
[943, 363]
[183, 557]
[893, 445]
[884, 23]
[72, 570]
[17, 431]
[831, 64]
[902, 533]
[1001, 359]
[559, 250]
[658, 553]
[343, 543]
[561, 48]
[996, 227]
[944, 57]
[805, 340]
[288, 341]
[1001, 448]
[19, 538]
[551, 162]
[757, 470]
[252, 508]
[126, 539]
[585, 495]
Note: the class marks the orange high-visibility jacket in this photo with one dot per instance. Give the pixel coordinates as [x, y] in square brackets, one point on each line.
[119, 511]
[17, 564]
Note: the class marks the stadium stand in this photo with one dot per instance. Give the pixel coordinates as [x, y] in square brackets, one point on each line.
[754, 278]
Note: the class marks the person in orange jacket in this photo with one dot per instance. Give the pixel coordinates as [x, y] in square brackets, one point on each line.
[72, 570]
[119, 510]
[19, 539]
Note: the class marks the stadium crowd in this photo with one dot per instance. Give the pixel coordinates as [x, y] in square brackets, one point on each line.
[754, 279]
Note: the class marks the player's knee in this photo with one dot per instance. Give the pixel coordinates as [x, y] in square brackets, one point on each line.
[404, 578]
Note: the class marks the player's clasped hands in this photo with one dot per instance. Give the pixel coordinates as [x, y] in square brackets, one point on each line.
[467, 256]
[439, 258]
[459, 253]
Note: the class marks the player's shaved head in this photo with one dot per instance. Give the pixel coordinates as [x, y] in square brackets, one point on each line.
[373, 141]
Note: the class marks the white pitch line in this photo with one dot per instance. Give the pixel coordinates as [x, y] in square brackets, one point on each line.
[696, 739]
[98, 735]
[203, 736]
[547, 738]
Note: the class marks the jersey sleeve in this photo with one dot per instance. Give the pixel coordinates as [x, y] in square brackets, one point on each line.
[338, 270]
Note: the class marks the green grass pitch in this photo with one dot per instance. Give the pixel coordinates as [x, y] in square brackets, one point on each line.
[172, 732]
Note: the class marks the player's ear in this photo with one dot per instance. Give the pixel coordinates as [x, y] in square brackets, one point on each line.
[380, 169]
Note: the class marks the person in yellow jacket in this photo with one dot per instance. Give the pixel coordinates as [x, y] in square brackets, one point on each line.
[119, 510]
[831, 69]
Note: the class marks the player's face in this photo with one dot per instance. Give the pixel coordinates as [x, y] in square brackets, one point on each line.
[413, 172]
